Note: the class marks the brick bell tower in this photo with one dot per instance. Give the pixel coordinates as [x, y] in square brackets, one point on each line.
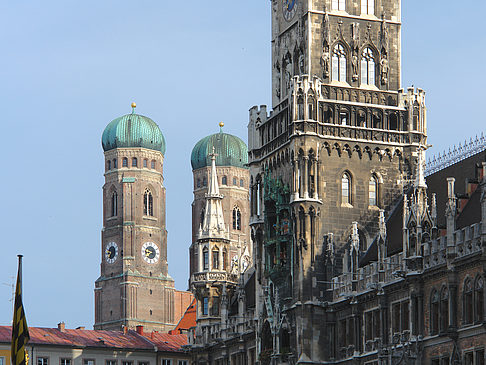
[134, 287]
[340, 144]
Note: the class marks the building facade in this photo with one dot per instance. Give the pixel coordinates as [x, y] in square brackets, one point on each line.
[135, 287]
[359, 256]
[62, 346]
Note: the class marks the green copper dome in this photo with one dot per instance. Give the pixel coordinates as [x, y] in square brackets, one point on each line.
[230, 150]
[133, 130]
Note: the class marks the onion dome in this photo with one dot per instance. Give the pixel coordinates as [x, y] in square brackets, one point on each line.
[230, 151]
[133, 130]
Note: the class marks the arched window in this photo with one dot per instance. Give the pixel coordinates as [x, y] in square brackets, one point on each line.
[235, 181]
[444, 309]
[224, 180]
[339, 5]
[198, 184]
[215, 258]
[125, 162]
[205, 181]
[148, 203]
[373, 191]
[108, 167]
[145, 162]
[368, 7]
[114, 204]
[134, 162]
[434, 312]
[479, 299]
[467, 310]
[367, 66]
[152, 164]
[346, 189]
[202, 216]
[339, 63]
[205, 258]
[236, 219]
[115, 163]
[225, 259]
[242, 184]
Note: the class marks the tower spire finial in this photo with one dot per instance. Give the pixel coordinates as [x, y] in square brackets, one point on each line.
[221, 125]
[134, 105]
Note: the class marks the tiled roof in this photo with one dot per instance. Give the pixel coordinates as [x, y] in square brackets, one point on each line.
[167, 342]
[80, 338]
[188, 320]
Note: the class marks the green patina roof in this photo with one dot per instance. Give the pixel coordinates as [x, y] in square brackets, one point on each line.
[133, 130]
[230, 150]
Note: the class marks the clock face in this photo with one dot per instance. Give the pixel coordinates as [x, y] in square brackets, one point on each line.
[289, 8]
[111, 252]
[150, 252]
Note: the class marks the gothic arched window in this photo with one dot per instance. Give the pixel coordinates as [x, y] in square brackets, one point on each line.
[367, 66]
[339, 63]
[125, 162]
[148, 203]
[108, 167]
[198, 184]
[202, 216]
[225, 259]
[434, 312]
[114, 204]
[339, 5]
[152, 164]
[145, 162]
[205, 181]
[134, 162]
[224, 180]
[368, 7]
[242, 184]
[346, 189]
[467, 310]
[236, 219]
[215, 258]
[479, 299]
[373, 191]
[115, 163]
[444, 309]
[205, 258]
[235, 181]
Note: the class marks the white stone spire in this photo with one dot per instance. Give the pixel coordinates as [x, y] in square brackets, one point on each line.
[213, 223]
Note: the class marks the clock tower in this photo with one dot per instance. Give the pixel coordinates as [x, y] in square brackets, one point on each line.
[134, 287]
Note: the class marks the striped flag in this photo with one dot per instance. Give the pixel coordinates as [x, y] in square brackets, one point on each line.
[20, 331]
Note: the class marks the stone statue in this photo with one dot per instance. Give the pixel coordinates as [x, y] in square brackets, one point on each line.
[355, 66]
[384, 69]
[325, 58]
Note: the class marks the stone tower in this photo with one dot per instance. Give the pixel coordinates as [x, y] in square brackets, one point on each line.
[341, 144]
[221, 247]
[134, 287]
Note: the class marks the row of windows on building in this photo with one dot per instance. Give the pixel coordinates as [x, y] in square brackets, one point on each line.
[134, 163]
[472, 313]
[346, 190]
[367, 6]
[69, 361]
[148, 204]
[224, 181]
[236, 218]
[339, 70]
[215, 259]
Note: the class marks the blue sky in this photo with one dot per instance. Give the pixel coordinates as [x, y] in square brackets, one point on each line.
[67, 68]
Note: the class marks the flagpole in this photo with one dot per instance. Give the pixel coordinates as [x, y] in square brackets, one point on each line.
[20, 272]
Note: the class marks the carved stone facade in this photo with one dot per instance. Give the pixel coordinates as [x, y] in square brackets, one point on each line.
[348, 245]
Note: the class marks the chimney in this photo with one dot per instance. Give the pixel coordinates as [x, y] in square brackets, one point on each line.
[125, 330]
[152, 335]
[61, 326]
[140, 330]
[82, 328]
